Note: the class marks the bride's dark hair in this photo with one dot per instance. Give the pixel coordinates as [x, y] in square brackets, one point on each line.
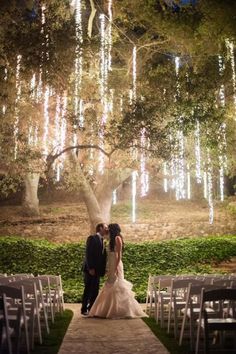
[114, 230]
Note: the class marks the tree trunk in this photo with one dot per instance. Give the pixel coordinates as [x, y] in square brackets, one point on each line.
[30, 200]
[90, 199]
[98, 202]
[110, 180]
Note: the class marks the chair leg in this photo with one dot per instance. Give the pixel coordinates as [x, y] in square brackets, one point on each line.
[191, 324]
[198, 339]
[182, 328]
[162, 314]
[169, 317]
[175, 323]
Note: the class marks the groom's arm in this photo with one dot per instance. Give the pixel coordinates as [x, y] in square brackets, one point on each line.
[90, 259]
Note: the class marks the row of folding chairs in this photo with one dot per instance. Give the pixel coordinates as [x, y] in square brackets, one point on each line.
[27, 305]
[181, 300]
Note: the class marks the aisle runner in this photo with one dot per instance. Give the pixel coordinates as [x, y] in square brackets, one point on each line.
[98, 336]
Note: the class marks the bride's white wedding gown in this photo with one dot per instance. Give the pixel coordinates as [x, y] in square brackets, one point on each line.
[116, 298]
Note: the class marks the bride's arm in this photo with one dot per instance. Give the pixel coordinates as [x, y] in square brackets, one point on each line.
[118, 250]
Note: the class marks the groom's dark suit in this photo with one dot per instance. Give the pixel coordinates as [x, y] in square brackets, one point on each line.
[95, 258]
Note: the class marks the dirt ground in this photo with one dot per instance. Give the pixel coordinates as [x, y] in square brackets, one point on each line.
[68, 222]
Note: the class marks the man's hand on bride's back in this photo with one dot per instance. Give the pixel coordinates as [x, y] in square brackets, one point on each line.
[92, 272]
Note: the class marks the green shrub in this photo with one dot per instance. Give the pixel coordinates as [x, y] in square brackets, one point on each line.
[196, 255]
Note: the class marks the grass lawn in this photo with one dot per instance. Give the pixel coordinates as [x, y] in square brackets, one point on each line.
[53, 340]
[167, 340]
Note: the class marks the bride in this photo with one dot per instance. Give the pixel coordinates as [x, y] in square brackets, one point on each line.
[116, 298]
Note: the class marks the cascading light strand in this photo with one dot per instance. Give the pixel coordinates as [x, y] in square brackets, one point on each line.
[17, 101]
[133, 97]
[230, 48]
[43, 54]
[165, 180]
[46, 121]
[110, 35]
[134, 60]
[143, 172]
[180, 160]
[222, 133]
[78, 103]
[197, 135]
[104, 66]
[62, 136]
[210, 188]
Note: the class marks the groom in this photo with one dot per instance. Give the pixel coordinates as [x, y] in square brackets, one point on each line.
[94, 267]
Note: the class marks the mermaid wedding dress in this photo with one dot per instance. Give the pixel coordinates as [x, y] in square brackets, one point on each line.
[116, 298]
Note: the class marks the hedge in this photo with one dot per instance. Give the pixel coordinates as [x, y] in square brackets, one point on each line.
[196, 255]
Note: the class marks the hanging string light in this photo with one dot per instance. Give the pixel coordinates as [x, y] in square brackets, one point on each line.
[165, 180]
[78, 103]
[210, 188]
[198, 152]
[104, 69]
[46, 121]
[134, 60]
[143, 172]
[110, 35]
[222, 133]
[179, 160]
[114, 197]
[230, 48]
[17, 100]
[43, 53]
[133, 96]
[56, 142]
[63, 125]
[222, 157]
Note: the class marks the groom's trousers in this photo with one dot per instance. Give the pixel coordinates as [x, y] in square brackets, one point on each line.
[91, 289]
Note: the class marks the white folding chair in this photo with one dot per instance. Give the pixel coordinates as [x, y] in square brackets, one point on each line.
[153, 281]
[192, 309]
[218, 322]
[14, 324]
[178, 292]
[162, 297]
[32, 307]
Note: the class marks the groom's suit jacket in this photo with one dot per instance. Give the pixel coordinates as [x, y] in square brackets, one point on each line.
[95, 256]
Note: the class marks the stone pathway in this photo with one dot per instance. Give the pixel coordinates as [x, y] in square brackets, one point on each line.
[101, 336]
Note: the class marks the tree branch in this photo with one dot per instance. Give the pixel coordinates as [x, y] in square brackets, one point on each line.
[91, 18]
[51, 158]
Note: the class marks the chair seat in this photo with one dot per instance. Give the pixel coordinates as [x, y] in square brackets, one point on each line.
[220, 323]
[196, 311]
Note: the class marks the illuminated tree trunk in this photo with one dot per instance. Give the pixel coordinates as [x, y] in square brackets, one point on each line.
[30, 200]
[98, 201]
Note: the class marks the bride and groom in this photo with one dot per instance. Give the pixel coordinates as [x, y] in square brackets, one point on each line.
[116, 298]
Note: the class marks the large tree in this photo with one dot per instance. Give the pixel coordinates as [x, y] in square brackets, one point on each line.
[161, 32]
